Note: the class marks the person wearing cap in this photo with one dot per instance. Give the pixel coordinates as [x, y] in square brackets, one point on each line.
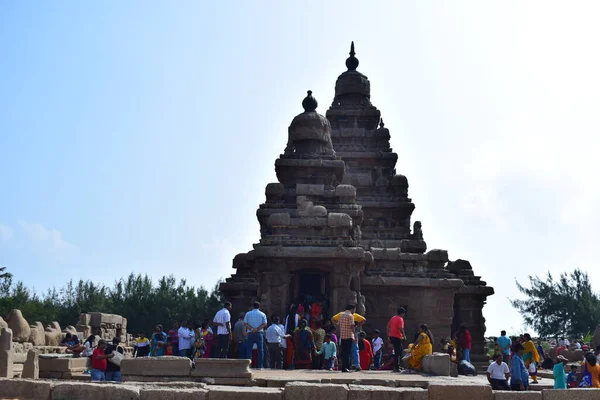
[377, 349]
[395, 331]
[559, 373]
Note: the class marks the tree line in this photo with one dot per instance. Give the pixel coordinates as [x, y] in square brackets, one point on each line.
[136, 298]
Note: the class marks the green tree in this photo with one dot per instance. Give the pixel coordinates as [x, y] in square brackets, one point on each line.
[567, 306]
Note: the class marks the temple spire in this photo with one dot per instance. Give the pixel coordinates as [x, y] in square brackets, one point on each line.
[352, 62]
[309, 103]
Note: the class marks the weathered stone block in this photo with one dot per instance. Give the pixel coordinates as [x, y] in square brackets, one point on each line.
[279, 219]
[436, 364]
[459, 392]
[62, 364]
[596, 339]
[216, 367]
[6, 354]
[530, 395]
[173, 394]
[244, 393]
[156, 366]
[94, 391]
[303, 189]
[345, 191]
[19, 326]
[571, 394]
[37, 336]
[98, 318]
[31, 367]
[25, 389]
[312, 391]
[3, 323]
[362, 392]
[274, 189]
[53, 336]
[339, 220]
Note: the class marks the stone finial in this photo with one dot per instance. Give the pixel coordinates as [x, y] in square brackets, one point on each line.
[352, 62]
[381, 124]
[309, 103]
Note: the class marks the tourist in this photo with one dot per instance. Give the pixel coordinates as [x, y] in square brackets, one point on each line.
[540, 350]
[113, 371]
[319, 336]
[519, 379]
[223, 321]
[142, 346]
[422, 347]
[329, 352]
[354, 349]
[365, 351]
[73, 345]
[531, 357]
[291, 320]
[99, 361]
[504, 343]
[449, 349]
[346, 324]
[157, 343]
[208, 338]
[239, 335]
[572, 378]
[558, 372]
[389, 360]
[255, 322]
[377, 344]
[590, 375]
[304, 346]
[173, 339]
[498, 373]
[88, 351]
[275, 335]
[185, 339]
[395, 332]
[465, 342]
[284, 346]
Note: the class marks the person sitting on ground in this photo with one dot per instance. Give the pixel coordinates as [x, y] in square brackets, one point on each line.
[88, 351]
[519, 378]
[421, 347]
[498, 373]
[142, 346]
[558, 371]
[73, 345]
[572, 380]
[365, 351]
[329, 352]
[389, 361]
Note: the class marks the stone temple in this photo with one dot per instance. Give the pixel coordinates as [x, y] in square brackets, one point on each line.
[337, 226]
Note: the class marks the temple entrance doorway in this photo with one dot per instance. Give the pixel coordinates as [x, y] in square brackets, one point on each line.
[310, 284]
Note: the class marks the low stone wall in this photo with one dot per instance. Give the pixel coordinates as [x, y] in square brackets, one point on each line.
[209, 370]
[25, 389]
[59, 366]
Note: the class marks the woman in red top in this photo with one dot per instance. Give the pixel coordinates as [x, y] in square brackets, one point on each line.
[100, 361]
[365, 352]
[464, 342]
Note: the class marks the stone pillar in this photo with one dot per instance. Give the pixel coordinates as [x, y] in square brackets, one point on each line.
[6, 354]
[31, 368]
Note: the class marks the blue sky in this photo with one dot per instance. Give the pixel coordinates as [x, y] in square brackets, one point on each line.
[139, 136]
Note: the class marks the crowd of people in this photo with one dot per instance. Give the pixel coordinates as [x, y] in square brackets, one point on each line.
[518, 359]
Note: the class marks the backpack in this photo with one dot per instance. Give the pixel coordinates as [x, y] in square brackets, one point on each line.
[466, 368]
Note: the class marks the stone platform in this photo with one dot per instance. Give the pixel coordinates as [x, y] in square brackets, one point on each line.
[437, 389]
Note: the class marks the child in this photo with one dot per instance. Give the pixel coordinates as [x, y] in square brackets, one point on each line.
[377, 349]
[572, 377]
[329, 351]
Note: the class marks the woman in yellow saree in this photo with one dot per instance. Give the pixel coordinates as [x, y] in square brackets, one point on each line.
[421, 347]
[531, 356]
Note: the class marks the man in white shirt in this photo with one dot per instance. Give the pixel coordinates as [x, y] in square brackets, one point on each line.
[275, 335]
[498, 373]
[223, 321]
[185, 339]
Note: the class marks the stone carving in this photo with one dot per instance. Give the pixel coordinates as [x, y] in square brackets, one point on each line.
[6, 353]
[417, 231]
[380, 181]
[361, 305]
[3, 323]
[37, 336]
[53, 334]
[19, 326]
[31, 368]
[307, 209]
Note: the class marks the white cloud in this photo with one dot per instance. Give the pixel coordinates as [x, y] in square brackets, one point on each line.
[6, 233]
[49, 238]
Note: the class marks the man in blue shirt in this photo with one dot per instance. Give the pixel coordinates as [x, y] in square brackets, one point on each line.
[519, 379]
[504, 343]
[255, 322]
